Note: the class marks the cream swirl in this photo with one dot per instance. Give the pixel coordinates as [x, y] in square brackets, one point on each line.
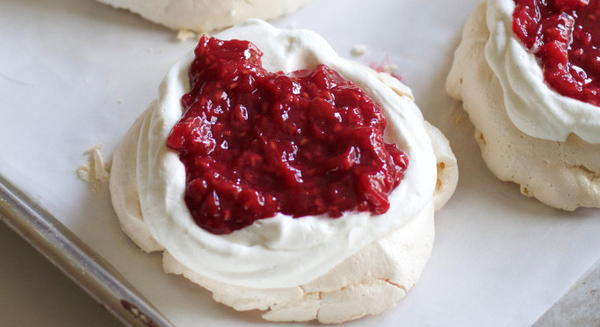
[280, 251]
[531, 104]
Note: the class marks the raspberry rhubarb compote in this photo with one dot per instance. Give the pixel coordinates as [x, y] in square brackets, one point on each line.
[256, 143]
[565, 37]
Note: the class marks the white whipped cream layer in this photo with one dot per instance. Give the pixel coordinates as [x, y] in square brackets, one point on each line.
[534, 108]
[281, 251]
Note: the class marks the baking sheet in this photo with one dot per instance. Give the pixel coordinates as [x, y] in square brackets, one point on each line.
[75, 74]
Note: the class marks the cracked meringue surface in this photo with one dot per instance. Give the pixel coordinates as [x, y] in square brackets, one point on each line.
[206, 15]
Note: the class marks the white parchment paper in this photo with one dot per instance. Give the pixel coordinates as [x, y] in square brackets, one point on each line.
[75, 73]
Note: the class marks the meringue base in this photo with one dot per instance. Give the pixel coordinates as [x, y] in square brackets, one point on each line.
[564, 175]
[369, 282]
[205, 15]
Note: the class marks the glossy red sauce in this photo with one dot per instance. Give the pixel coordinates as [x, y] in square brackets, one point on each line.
[256, 143]
[565, 37]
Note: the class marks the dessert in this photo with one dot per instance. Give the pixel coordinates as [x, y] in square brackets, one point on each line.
[284, 178]
[206, 15]
[527, 74]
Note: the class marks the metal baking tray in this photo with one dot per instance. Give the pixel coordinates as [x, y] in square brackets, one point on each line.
[66, 251]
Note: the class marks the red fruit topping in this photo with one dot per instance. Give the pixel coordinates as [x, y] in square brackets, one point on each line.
[565, 37]
[256, 143]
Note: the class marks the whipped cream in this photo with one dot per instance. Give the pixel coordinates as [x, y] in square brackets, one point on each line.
[531, 104]
[281, 251]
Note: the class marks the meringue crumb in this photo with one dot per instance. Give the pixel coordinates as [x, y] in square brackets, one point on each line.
[358, 50]
[95, 171]
[458, 113]
[386, 67]
[389, 68]
[184, 35]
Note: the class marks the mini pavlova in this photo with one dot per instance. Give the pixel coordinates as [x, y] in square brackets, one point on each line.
[284, 178]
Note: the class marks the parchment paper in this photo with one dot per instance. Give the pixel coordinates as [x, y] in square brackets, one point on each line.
[75, 73]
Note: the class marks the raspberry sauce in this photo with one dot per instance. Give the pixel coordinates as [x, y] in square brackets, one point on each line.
[565, 37]
[256, 143]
